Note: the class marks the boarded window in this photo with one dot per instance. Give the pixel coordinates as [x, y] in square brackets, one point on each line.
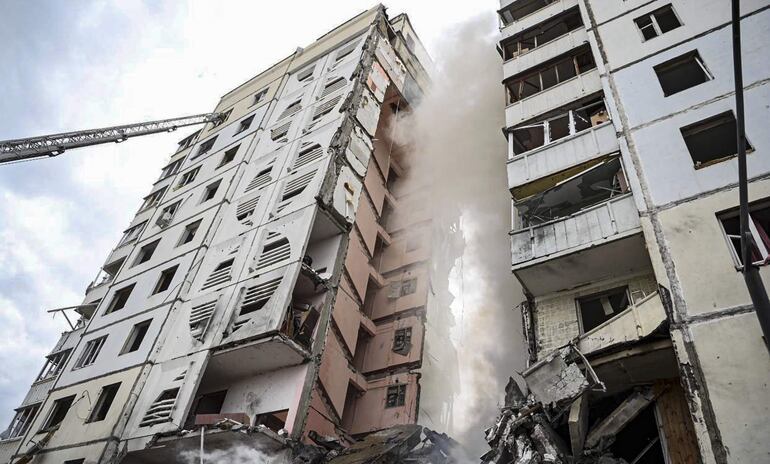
[681, 73]
[712, 140]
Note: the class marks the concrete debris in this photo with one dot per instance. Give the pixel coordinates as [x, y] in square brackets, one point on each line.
[404, 444]
[557, 400]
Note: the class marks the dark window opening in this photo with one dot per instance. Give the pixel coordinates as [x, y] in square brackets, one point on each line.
[206, 146]
[135, 338]
[275, 421]
[396, 396]
[259, 96]
[681, 73]
[549, 76]
[597, 308]
[228, 156]
[210, 191]
[759, 227]
[120, 299]
[146, 252]
[58, 412]
[165, 279]
[712, 140]
[245, 124]
[102, 406]
[211, 403]
[189, 232]
[402, 341]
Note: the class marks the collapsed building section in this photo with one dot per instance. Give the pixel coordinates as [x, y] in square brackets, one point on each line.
[276, 279]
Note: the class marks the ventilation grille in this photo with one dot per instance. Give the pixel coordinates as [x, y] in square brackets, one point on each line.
[160, 410]
[308, 154]
[254, 299]
[199, 318]
[246, 208]
[220, 275]
[261, 179]
[326, 107]
[291, 109]
[274, 252]
[293, 188]
[333, 86]
[180, 377]
[278, 134]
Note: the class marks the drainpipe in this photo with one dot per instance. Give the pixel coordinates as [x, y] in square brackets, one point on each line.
[750, 272]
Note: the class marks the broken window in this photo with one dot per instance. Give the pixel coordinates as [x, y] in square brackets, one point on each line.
[167, 214]
[408, 287]
[53, 364]
[171, 169]
[550, 76]
[542, 34]
[165, 279]
[681, 73]
[221, 120]
[205, 147]
[712, 140]
[210, 191]
[531, 136]
[90, 352]
[188, 177]
[145, 253]
[135, 338]
[587, 187]
[103, 403]
[259, 96]
[58, 412]
[600, 307]
[151, 200]
[657, 22]
[210, 403]
[188, 141]
[518, 10]
[189, 232]
[402, 340]
[119, 299]
[759, 227]
[132, 233]
[228, 156]
[396, 396]
[245, 124]
[22, 420]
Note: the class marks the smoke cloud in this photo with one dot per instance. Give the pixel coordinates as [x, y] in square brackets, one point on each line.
[234, 455]
[454, 134]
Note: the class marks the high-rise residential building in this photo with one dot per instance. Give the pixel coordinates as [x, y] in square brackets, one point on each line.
[276, 280]
[622, 167]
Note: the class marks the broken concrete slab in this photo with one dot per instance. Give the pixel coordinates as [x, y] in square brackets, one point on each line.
[603, 434]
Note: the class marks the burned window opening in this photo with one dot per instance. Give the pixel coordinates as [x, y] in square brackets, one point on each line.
[396, 396]
[590, 186]
[712, 140]
[402, 341]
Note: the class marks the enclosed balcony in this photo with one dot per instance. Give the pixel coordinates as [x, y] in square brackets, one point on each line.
[581, 229]
[558, 143]
[552, 86]
[520, 15]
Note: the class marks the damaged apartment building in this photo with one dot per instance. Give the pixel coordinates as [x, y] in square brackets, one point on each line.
[275, 284]
[643, 344]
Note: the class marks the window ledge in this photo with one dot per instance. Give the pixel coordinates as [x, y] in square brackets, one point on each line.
[534, 151]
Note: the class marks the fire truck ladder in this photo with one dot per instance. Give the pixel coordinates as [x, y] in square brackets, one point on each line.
[55, 144]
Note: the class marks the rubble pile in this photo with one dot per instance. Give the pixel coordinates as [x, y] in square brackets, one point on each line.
[404, 444]
[557, 398]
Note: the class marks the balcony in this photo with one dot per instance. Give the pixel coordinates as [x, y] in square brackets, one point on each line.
[545, 52]
[535, 17]
[634, 324]
[562, 154]
[591, 244]
[554, 97]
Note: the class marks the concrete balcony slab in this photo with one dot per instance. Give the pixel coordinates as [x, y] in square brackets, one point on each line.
[545, 52]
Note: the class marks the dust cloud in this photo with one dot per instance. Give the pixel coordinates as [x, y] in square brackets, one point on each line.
[454, 135]
[233, 455]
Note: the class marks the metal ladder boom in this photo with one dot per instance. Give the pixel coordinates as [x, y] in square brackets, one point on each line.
[56, 144]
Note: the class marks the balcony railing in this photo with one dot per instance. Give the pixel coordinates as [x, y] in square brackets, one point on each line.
[536, 17]
[562, 154]
[545, 52]
[591, 226]
[554, 97]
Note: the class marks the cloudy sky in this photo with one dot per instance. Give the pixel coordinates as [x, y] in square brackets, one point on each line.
[77, 64]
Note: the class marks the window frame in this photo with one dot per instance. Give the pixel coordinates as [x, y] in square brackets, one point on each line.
[144, 327]
[22, 420]
[654, 22]
[188, 178]
[400, 395]
[91, 351]
[106, 396]
[761, 246]
[598, 295]
[210, 191]
[113, 301]
[47, 425]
